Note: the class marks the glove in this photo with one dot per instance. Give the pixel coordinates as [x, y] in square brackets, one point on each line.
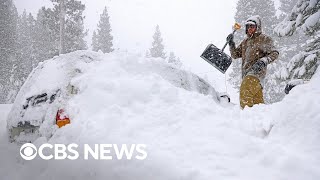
[230, 40]
[260, 64]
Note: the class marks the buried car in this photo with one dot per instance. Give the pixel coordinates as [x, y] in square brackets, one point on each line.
[43, 97]
[35, 111]
[42, 103]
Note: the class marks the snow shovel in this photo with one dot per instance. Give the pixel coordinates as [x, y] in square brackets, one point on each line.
[216, 57]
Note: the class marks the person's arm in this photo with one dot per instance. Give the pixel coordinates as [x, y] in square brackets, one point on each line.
[236, 52]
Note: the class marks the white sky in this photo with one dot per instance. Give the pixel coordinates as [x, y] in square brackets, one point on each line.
[187, 26]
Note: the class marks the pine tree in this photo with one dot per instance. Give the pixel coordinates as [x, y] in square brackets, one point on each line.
[172, 59]
[103, 39]
[31, 32]
[62, 47]
[157, 49]
[288, 47]
[305, 17]
[286, 7]
[74, 25]
[274, 86]
[47, 29]
[46, 34]
[8, 36]
[75, 32]
[25, 53]
[95, 42]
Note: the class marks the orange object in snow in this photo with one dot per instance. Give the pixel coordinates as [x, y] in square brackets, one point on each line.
[237, 26]
[62, 119]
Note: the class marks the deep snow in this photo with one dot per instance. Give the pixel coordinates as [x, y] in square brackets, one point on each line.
[188, 135]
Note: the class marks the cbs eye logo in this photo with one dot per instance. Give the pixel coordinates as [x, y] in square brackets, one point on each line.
[28, 151]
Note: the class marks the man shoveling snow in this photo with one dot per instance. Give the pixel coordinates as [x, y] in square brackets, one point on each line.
[256, 51]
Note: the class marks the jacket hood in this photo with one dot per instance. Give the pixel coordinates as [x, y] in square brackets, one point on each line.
[255, 20]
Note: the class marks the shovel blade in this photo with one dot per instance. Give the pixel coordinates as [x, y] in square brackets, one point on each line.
[216, 58]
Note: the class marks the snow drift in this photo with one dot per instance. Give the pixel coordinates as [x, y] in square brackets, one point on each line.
[50, 86]
[125, 98]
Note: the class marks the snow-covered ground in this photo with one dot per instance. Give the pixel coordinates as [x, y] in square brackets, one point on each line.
[189, 136]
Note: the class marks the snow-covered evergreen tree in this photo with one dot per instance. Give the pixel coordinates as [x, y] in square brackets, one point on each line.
[157, 49]
[26, 45]
[274, 86]
[47, 30]
[75, 32]
[74, 25]
[8, 46]
[94, 43]
[286, 7]
[172, 57]
[62, 45]
[47, 34]
[103, 39]
[305, 17]
[25, 53]
[288, 48]
[174, 60]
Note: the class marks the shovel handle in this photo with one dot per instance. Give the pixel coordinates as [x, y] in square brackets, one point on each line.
[228, 41]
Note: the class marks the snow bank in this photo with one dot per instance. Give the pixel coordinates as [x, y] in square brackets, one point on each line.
[57, 75]
[124, 98]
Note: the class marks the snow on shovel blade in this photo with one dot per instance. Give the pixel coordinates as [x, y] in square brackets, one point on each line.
[216, 58]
